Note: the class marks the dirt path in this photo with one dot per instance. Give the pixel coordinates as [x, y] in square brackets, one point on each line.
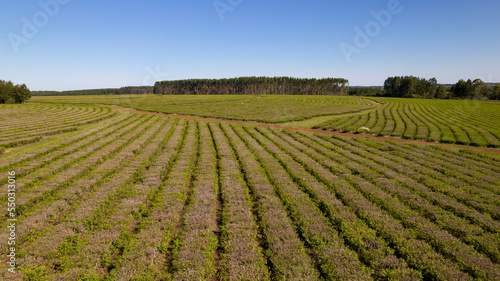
[455, 146]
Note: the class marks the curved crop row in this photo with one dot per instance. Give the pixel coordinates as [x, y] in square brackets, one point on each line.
[29, 123]
[149, 197]
[460, 122]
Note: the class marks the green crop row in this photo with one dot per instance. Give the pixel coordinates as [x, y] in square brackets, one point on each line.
[151, 140]
[368, 189]
[346, 185]
[70, 162]
[373, 251]
[47, 197]
[444, 121]
[48, 122]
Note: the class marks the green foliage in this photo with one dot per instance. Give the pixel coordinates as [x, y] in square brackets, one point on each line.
[89, 277]
[449, 121]
[135, 90]
[71, 245]
[38, 273]
[495, 93]
[365, 91]
[414, 87]
[10, 93]
[410, 87]
[398, 208]
[254, 86]
[441, 92]
[260, 108]
[470, 89]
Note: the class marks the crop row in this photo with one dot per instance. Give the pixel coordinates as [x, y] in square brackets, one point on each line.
[19, 130]
[420, 119]
[92, 183]
[141, 197]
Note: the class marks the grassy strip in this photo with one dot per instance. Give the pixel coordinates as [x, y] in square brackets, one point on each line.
[448, 164]
[27, 166]
[26, 189]
[49, 196]
[158, 214]
[466, 257]
[113, 258]
[52, 131]
[24, 208]
[30, 152]
[430, 208]
[196, 255]
[331, 258]
[253, 204]
[442, 180]
[485, 161]
[47, 127]
[284, 250]
[372, 250]
[128, 169]
[444, 202]
[109, 206]
[242, 257]
[180, 200]
[343, 183]
[221, 214]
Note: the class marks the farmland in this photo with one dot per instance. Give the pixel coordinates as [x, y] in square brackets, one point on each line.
[448, 121]
[267, 108]
[30, 123]
[106, 194]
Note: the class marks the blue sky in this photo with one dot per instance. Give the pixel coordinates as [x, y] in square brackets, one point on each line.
[75, 44]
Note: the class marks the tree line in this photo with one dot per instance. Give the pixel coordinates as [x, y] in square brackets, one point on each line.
[366, 91]
[415, 87]
[133, 90]
[10, 93]
[254, 86]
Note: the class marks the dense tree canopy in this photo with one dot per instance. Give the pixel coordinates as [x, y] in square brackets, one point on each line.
[476, 89]
[397, 86]
[139, 90]
[10, 93]
[495, 95]
[365, 91]
[410, 87]
[414, 87]
[254, 85]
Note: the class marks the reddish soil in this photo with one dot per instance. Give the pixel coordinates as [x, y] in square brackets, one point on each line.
[456, 146]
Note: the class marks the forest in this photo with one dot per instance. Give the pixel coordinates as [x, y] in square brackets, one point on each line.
[254, 86]
[10, 93]
[133, 90]
[397, 86]
[415, 87]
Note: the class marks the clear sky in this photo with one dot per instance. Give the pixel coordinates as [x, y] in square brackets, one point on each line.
[76, 44]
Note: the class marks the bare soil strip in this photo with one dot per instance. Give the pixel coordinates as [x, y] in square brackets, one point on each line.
[456, 146]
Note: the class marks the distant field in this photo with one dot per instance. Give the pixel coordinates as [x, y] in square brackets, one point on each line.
[148, 197]
[457, 121]
[236, 107]
[451, 121]
[23, 124]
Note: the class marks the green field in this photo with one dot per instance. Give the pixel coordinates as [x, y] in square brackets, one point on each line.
[450, 121]
[461, 122]
[135, 196]
[265, 108]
